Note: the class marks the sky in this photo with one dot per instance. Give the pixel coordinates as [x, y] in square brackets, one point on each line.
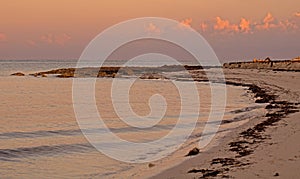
[236, 29]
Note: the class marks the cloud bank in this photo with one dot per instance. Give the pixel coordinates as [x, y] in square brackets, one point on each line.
[248, 26]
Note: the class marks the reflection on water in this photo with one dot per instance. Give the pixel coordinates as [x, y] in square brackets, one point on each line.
[40, 138]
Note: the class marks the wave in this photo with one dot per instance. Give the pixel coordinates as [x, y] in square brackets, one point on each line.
[9, 154]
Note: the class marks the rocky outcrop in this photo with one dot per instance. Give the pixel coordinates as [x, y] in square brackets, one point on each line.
[112, 72]
[287, 65]
[62, 73]
[153, 76]
[18, 74]
[297, 59]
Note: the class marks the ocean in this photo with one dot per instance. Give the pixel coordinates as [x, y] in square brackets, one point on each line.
[41, 138]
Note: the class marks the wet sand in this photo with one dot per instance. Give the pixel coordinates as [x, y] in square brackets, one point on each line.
[264, 147]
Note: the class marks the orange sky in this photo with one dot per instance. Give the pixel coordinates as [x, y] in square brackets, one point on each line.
[38, 29]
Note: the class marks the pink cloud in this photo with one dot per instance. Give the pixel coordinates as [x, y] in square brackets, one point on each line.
[245, 25]
[268, 23]
[48, 38]
[225, 25]
[186, 22]
[152, 29]
[287, 25]
[269, 18]
[3, 37]
[60, 39]
[31, 43]
[203, 27]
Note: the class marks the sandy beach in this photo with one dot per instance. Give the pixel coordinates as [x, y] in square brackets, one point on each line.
[39, 134]
[149, 89]
[258, 137]
[264, 147]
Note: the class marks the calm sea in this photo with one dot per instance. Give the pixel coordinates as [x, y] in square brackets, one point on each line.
[40, 137]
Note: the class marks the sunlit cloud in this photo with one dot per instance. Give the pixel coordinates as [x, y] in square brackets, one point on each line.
[31, 43]
[152, 29]
[268, 23]
[187, 22]
[297, 14]
[48, 38]
[269, 18]
[245, 25]
[203, 27]
[287, 25]
[3, 37]
[60, 39]
[248, 26]
[225, 25]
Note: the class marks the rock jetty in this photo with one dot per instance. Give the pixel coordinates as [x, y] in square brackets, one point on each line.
[284, 65]
[112, 72]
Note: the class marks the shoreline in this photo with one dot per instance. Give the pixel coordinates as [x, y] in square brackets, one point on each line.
[54, 91]
[232, 155]
[237, 149]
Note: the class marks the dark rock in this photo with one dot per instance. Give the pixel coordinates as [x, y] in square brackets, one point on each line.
[276, 174]
[199, 171]
[152, 76]
[225, 162]
[66, 75]
[194, 151]
[18, 74]
[150, 165]
[268, 59]
[206, 172]
[271, 106]
[211, 174]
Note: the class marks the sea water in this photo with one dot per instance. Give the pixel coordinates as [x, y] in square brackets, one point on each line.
[40, 136]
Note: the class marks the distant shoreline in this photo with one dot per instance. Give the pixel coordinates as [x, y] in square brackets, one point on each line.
[113, 71]
[283, 65]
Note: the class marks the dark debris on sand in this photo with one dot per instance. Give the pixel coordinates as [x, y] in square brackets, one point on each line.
[249, 139]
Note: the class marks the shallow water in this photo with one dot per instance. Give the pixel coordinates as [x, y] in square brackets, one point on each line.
[40, 137]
